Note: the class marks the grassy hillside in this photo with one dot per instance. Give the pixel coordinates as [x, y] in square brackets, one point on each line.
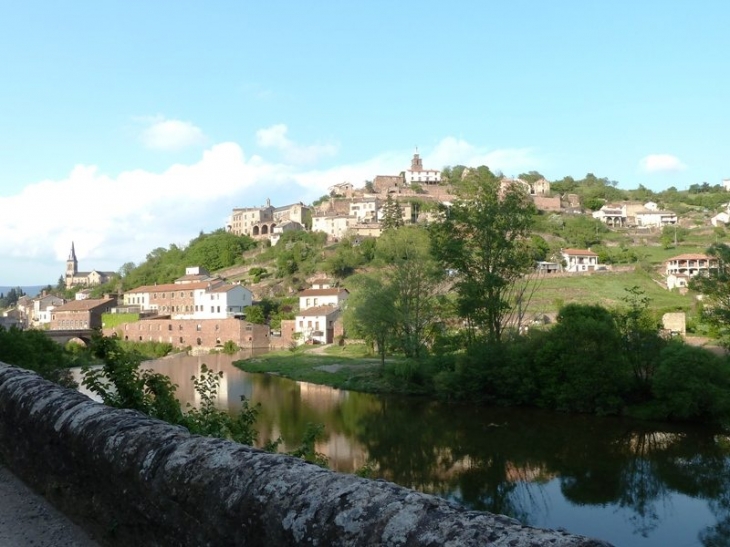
[606, 289]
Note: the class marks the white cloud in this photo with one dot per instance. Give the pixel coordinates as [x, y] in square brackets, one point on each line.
[657, 163]
[510, 161]
[119, 219]
[171, 135]
[275, 137]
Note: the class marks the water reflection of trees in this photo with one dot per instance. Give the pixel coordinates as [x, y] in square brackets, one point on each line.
[497, 459]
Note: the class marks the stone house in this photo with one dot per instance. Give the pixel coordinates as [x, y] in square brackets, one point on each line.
[81, 314]
[196, 333]
[280, 229]
[255, 222]
[344, 189]
[386, 184]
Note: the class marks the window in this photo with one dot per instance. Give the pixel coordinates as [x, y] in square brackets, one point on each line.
[218, 309]
[212, 309]
[181, 340]
[199, 327]
[169, 327]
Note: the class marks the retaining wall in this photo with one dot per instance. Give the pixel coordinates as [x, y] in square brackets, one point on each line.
[133, 480]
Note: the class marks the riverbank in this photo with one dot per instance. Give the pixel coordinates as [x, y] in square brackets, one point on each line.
[349, 367]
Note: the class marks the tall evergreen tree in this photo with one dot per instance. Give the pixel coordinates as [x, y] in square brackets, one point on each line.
[392, 214]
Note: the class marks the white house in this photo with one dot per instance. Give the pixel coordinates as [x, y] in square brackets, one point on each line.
[319, 309]
[42, 308]
[365, 210]
[316, 324]
[720, 219]
[655, 218]
[309, 298]
[335, 226]
[680, 269]
[222, 301]
[690, 264]
[417, 174]
[579, 260]
[613, 215]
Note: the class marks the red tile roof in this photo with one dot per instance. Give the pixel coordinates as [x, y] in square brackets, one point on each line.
[581, 252]
[690, 256]
[317, 311]
[85, 305]
[323, 292]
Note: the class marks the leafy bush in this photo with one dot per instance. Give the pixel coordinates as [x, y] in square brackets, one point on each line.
[692, 384]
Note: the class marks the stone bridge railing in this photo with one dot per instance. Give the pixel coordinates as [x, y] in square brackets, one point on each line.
[133, 480]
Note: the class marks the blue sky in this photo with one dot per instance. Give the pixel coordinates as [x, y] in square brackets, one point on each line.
[126, 126]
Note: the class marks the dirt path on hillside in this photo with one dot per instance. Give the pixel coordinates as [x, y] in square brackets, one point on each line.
[27, 519]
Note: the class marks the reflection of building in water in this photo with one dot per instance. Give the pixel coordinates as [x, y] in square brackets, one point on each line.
[321, 397]
[344, 456]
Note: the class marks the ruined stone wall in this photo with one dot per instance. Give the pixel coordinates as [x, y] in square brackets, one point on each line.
[138, 481]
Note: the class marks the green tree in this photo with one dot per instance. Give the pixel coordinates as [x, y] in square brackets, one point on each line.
[691, 384]
[641, 342]
[255, 314]
[715, 286]
[369, 314]
[578, 365]
[343, 261]
[392, 214]
[673, 235]
[482, 239]
[33, 350]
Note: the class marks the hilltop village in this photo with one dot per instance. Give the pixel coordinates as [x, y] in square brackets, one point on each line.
[202, 311]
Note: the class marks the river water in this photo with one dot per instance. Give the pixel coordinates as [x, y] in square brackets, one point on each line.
[631, 483]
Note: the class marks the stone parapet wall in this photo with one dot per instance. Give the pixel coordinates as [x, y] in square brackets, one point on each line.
[133, 480]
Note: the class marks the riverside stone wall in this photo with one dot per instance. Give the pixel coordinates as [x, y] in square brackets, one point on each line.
[133, 480]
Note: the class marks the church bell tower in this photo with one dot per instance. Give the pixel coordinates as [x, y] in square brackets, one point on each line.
[72, 265]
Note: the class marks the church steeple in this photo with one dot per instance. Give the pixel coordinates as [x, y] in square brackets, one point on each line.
[72, 265]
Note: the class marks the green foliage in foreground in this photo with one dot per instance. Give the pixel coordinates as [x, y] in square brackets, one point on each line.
[120, 383]
[33, 350]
